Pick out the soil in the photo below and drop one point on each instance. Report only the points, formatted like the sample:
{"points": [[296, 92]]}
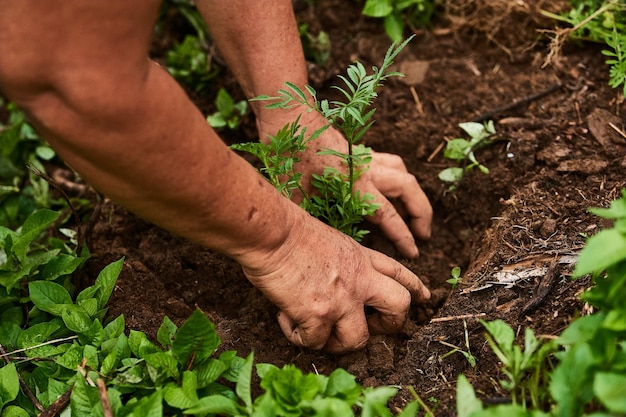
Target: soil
{"points": [[514, 232]]}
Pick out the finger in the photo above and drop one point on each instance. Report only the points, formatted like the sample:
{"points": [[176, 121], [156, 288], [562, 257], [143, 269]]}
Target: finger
{"points": [[400, 274], [389, 160], [350, 333], [391, 302], [396, 183], [387, 218], [310, 335]]}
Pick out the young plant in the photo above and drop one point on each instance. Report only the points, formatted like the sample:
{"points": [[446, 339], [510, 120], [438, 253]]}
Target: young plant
{"points": [[398, 14], [462, 151], [456, 277], [471, 359], [188, 63], [336, 201], [228, 112], [523, 368]]}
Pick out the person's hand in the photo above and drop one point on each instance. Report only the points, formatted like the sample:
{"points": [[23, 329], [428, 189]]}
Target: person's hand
{"points": [[322, 280], [387, 178]]}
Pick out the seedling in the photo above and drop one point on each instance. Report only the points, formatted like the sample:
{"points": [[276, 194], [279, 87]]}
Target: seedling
{"points": [[336, 201], [456, 277], [188, 62], [471, 359], [228, 112], [462, 151]]}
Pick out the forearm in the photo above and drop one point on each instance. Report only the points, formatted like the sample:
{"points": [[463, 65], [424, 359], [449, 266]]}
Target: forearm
{"points": [[259, 40], [156, 155]]}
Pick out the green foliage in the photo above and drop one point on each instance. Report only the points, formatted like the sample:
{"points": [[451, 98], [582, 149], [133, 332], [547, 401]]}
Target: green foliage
{"points": [[188, 63], [590, 355], [228, 112], [21, 190], [59, 342], [602, 21], [462, 151], [336, 201], [398, 14]]}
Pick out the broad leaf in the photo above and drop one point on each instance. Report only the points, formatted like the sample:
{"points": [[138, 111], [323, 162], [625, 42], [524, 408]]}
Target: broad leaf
{"points": [[195, 341]]}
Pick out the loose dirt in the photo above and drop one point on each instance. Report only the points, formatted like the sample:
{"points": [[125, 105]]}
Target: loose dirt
{"points": [[515, 232]]}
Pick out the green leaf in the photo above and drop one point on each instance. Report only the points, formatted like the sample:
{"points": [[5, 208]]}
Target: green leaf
{"points": [[610, 388], [166, 332], [185, 396], [85, 400], [61, 265], [196, 340], [14, 411], [140, 345], [34, 224], [76, 318], [457, 149], [9, 384], [394, 26], [451, 175], [243, 387], [466, 401], [377, 8], [106, 281], [601, 251], [151, 406], [49, 296], [375, 401], [215, 404], [224, 102]]}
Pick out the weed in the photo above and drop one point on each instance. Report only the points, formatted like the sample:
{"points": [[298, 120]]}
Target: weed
{"points": [[462, 151], [228, 112], [336, 202]]}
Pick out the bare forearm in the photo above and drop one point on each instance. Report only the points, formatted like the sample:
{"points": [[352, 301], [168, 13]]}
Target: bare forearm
{"points": [[260, 42], [160, 159]]}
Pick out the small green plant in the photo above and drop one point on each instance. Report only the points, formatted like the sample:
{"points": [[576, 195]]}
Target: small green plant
{"points": [[336, 201], [471, 359], [462, 151], [602, 21], [398, 14], [228, 112], [316, 47], [188, 63], [456, 277]]}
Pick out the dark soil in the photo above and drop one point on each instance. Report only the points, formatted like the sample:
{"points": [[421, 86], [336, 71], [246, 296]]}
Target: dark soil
{"points": [[527, 218]]}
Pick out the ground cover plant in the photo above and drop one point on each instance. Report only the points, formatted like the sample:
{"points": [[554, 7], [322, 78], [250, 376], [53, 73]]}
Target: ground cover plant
{"points": [[514, 232]]}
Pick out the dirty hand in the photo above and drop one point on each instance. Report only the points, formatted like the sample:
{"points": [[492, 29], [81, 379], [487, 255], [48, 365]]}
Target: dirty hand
{"points": [[387, 178], [322, 280]]}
